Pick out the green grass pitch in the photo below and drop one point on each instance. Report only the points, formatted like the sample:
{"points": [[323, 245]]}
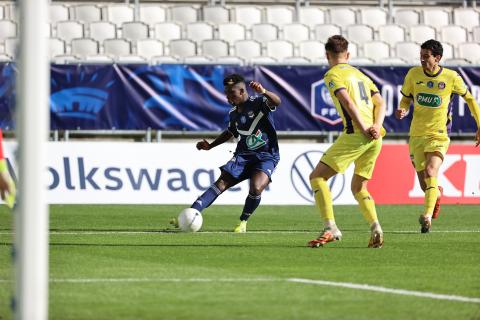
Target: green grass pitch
{"points": [[125, 262]]}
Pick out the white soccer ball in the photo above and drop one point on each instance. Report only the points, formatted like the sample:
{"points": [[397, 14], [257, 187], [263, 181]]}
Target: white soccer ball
{"points": [[190, 220]]}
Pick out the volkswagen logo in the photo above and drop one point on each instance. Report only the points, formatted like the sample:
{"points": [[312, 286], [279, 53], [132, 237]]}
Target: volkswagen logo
{"points": [[299, 175]]}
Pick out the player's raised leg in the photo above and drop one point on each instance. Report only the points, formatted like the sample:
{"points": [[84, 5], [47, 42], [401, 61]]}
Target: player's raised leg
{"points": [[259, 180], [324, 203]]}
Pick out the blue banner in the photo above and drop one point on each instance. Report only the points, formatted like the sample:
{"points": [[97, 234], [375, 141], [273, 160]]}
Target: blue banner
{"points": [[190, 97]]}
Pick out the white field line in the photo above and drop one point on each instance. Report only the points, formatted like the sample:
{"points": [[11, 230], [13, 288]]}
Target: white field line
{"points": [[113, 232], [347, 285]]}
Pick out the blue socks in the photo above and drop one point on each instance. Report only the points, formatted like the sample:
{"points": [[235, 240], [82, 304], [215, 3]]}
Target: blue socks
{"points": [[207, 198], [251, 203]]}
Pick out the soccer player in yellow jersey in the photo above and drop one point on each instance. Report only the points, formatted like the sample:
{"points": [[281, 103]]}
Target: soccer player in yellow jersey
{"points": [[430, 87], [362, 109]]}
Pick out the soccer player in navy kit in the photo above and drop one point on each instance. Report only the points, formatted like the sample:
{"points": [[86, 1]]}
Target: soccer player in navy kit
{"points": [[256, 155]]}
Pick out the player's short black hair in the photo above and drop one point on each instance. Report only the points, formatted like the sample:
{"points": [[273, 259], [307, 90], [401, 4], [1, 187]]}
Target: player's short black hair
{"points": [[434, 46], [336, 44], [232, 79]]}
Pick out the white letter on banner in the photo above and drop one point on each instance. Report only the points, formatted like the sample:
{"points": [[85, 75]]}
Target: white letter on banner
{"points": [[472, 176], [387, 94]]}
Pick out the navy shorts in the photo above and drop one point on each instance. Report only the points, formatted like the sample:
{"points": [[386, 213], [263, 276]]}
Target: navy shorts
{"points": [[242, 167]]}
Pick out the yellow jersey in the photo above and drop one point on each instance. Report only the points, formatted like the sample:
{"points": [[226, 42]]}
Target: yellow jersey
{"points": [[359, 87], [431, 94]]}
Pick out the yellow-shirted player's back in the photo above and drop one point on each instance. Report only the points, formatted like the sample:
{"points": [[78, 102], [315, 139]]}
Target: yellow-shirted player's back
{"points": [[360, 89], [431, 96]]}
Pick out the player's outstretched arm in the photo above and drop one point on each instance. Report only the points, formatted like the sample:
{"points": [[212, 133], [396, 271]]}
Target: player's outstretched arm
{"points": [[402, 110], [379, 115], [273, 99], [349, 105], [223, 137], [475, 110]]}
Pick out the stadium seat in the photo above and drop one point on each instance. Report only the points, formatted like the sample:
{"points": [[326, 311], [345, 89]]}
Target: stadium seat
{"points": [[447, 51], [199, 31], [197, 60], [469, 51], [10, 47], [68, 30], [230, 60], [391, 34], [149, 48], [436, 17], [101, 30], [407, 17], [466, 17], [247, 48], [152, 14], [183, 14], [135, 30], [323, 31], [456, 62], [264, 32], [279, 15], [248, 15], [296, 32], [118, 14], [215, 48], [165, 60], [5, 57], [57, 47], [87, 12], [65, 59], [422, 33], [183, 48], [453, 34], [130, 59], [231, 32], [117, 47], [58, 12], [279, 49], [8, 29], [98, 58], [262, 60], [476, 34], [83, 47], [361, 61], [10, 11], [216, 14], [3, 14], [373, 16], [360, 33], [342, 16], [376, 50], [392, 61], [410, 51], [168, 31], [296, 60], [311, 16], [311, 49]]}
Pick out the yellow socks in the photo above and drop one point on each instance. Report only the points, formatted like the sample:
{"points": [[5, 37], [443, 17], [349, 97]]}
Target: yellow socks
{"points": [[367, 206], [431, 195], [323, 199]]}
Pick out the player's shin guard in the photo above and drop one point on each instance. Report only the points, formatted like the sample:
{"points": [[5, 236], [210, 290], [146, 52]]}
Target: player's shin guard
{"points": [[431, 195], [251, 203], [207, 198], [323, 199], [367, 206]]}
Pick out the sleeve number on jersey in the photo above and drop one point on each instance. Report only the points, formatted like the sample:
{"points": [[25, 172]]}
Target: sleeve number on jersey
{"points": [[363, 92]]}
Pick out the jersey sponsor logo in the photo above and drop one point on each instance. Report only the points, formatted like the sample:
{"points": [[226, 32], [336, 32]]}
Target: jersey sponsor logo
{"points": [[321, 104], [429, 100], [255, 141]]}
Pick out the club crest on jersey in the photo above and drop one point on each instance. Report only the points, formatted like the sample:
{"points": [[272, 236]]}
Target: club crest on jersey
{"points": [[441, 85], [255, 141], [429, 100], [243, 120]]}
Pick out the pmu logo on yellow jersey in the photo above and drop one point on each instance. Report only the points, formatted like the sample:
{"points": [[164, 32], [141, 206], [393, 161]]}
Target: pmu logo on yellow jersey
{"points": [[429, 100]]}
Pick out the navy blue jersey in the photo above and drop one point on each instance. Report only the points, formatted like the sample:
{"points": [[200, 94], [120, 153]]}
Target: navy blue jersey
{"points": [[253, 125]]}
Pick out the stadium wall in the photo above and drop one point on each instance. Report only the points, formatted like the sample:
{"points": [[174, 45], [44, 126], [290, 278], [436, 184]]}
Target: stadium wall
{"points": [[176, 173]]}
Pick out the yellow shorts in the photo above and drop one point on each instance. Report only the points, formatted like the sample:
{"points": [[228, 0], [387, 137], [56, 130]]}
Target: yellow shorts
{"points": [[420, 145], [355, 148]]}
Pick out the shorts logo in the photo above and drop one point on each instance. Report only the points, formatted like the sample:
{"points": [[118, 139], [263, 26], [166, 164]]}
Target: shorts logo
{"points": [[255, 141], [430, 84], [301, 168], [429, 100], [441, 85], [322, 106]]}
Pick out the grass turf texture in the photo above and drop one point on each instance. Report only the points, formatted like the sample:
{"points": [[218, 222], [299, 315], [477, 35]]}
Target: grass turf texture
{"points": [[439, 262]]}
